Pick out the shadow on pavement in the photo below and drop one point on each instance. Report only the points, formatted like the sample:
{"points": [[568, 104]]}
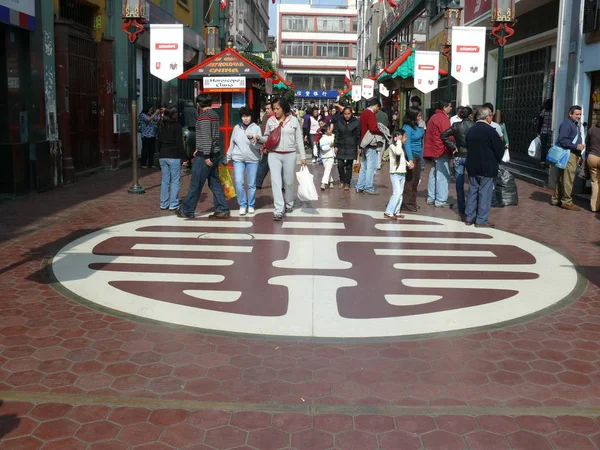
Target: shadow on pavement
{"points": [[8, 422]]}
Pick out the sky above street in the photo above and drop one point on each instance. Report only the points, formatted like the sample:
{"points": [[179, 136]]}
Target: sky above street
{"points": [[273, 9]]}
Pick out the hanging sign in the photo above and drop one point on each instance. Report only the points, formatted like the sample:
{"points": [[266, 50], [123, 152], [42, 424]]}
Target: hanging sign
{"points": [[384, 91], [426, 71], [224, 84], [368, 86], [468, 53], [356, 92], [166, 50]]}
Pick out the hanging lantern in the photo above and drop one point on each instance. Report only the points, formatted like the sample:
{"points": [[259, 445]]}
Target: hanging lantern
{"points": [[503, 11], [452, 14]]}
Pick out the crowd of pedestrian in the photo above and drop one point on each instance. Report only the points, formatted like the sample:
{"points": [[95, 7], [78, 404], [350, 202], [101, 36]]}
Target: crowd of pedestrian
{"points": [[472, 142]]}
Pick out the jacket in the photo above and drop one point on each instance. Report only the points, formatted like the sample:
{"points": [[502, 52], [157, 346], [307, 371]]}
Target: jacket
{"points": [[459, 131], [485, 150], [347, 137], [207, 133], [569, 136], [434, 147], [368, 122], [291, 139], [240, 147], [372, 140], [397, 150], [170, 141]]}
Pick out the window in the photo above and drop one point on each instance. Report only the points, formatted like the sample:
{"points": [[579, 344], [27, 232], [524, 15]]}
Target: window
{"points": [[333, 49], [297, 23], [297, 49], [333, 24]]}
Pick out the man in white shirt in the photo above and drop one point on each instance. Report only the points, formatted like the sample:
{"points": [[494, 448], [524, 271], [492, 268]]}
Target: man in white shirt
{"points": [[456, 118], [494, 125]]}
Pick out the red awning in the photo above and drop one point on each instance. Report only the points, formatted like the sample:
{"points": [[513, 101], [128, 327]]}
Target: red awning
{"points": [[228, 63]]}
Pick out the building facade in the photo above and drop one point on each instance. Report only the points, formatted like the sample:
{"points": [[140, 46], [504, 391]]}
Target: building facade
{"points": [[315, 46], [249, 24]]}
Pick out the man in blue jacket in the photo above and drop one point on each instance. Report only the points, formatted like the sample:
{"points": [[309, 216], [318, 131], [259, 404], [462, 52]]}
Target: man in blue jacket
{"points": [[485, 152], [569, 138]]}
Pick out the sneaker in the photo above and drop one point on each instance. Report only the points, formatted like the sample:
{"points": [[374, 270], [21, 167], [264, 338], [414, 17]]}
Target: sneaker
{"points": [[144, 167], [181, 214], [444, 205], [164, 208], [220, 215], [388, 216], [323, 186], [242, 211], [289, 209], [277, 217], [485, 225], [359, 191], [372, 192], [314, 160], [429, 203], [331, 185], [251, 210]]}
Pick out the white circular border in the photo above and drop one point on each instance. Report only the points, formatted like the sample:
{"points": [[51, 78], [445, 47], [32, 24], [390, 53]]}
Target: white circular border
{"points": [[320, 319]]}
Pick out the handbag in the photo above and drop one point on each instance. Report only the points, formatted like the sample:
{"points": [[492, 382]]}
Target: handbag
{"points": [[306, 187], [535, 148], [227, 181], [274, 138], [356, 167], [560, 156]]}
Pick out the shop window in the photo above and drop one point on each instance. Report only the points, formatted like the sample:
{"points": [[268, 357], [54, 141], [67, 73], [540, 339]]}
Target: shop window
{"points": [[590, 15]]}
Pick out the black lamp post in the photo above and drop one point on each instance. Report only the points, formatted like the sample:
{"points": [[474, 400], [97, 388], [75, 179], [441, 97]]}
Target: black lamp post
{"points": [[135, 15], [452, 14], [503, 18]]}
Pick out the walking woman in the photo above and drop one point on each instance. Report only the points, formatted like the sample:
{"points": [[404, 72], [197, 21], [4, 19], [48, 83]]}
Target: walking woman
{"points": [[282, 156], [310, 130], [459, 130], [414, 152], [170, 154], [245, 154], [398, 166], [592, 149], [148, 123], [347, 138]]}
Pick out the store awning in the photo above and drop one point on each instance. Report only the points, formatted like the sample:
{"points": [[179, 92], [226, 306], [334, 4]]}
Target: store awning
{"points": [[228, 63], [280, 83], [402, 67]]}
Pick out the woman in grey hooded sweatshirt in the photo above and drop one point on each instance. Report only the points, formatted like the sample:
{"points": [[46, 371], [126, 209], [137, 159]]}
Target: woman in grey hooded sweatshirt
{"points": [[245, 154]]}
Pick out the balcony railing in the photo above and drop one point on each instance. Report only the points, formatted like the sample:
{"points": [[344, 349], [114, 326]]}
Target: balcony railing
{"points": [[395, 15]]}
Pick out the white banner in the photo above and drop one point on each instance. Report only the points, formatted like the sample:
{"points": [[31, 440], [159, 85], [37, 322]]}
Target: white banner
{"points": [[427, 69], [356, 92], [166, 50], [468, 53], [383, 90], [368, 86]]}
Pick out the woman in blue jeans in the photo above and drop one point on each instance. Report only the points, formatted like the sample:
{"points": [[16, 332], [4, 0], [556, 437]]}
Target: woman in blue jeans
{"points": [[171, 152], [245, 154]]}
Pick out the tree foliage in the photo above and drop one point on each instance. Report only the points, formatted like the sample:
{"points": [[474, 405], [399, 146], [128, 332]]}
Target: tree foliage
{"points": [[266, 66]]}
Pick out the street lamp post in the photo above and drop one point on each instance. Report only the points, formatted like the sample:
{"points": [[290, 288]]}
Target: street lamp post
{"points": [[135, 15], [452, 13], [503, 18]]}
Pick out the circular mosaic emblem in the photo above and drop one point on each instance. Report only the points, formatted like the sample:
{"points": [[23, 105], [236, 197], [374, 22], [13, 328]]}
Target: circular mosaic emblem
{"points": [[319, 273]]}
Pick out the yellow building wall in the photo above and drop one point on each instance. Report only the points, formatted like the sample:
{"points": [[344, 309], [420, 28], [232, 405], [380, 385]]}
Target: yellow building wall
{"points": [[184, 13], [156, 2]]}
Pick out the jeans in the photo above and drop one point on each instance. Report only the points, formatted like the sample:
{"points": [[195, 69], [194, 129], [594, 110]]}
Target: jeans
{"points": [[479, 202], [367, 170], [345, 170], [282, 166], [459, 173], [439, 180], [250, 168], [148, 146], [171, 179], [200, 174], [263, 170], [393, 206]]}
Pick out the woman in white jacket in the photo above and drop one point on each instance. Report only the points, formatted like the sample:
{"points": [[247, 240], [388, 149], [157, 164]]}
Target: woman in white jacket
{"points": [[245, 154], [398, 165]]}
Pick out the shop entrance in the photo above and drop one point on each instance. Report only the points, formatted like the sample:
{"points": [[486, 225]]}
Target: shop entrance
{"points": [[84, 126]]}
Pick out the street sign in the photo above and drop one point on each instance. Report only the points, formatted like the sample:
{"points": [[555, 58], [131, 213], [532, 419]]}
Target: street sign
{"points": [[468, 53], [368, 86], [224, 84], [356, 92], [427, 71]]}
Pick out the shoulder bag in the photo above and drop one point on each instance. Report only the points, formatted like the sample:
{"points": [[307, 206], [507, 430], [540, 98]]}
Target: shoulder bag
{"points": [[560, 156], [274, 137]]}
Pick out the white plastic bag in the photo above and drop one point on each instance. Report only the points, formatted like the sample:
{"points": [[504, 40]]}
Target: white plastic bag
{"points": [[506, 156], [307, 191], [535, 148]]}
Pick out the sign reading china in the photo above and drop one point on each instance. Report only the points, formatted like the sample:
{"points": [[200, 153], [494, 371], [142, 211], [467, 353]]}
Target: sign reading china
{"points": [[224, 84], [356, 92], [475, 8], [468, 53], [426, 70], [368, 86], [166, 50], [227, 63]]}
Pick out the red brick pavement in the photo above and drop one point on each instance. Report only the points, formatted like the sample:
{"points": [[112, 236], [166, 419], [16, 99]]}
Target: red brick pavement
{"points": [[71, 377]]}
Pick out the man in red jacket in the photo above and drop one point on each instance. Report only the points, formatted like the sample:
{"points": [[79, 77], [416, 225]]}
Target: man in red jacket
{"points": [[434, 148], [368, 156]]}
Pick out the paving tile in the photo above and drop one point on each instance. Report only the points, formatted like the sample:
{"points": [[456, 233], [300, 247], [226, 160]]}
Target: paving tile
{"points": [[312, 439], [291, 422], [250, 420], [56, 429], [399, 440], [437, 440], [97, 431], [269, 439], [333, 423], [525, 440], [225, 437], [182, 435], [65, 444], [374, 423], [483, 440], [139, 433]]}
